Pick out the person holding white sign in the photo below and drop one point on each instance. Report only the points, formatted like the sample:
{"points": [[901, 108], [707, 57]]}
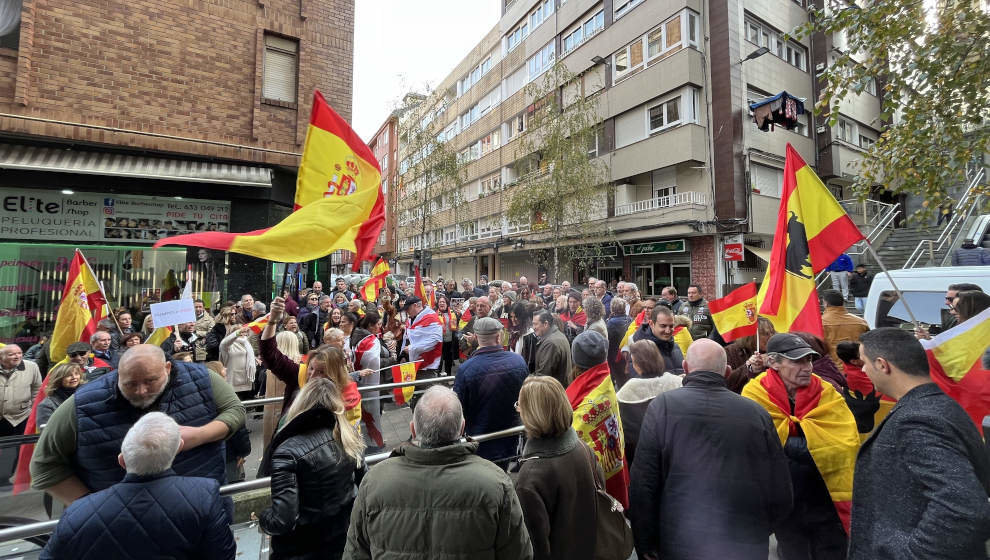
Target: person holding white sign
{"points": [[184, 339]]}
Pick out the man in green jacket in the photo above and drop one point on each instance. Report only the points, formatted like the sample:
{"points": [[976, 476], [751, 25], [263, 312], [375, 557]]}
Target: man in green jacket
{"points": [[436, 498]]}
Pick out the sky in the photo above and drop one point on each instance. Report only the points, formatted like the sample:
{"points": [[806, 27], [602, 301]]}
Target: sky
{"points": [[400, 46]]}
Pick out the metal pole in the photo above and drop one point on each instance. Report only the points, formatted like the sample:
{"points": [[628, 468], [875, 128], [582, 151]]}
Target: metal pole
{"points": [[897, 290]]}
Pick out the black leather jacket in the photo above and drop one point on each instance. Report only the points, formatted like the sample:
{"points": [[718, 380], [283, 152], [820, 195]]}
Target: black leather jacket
{"points": [[313, 487]]}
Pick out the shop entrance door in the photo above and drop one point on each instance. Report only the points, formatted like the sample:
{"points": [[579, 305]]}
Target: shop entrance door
{"points": [[682, 277], [609, 274], [643, 277]]}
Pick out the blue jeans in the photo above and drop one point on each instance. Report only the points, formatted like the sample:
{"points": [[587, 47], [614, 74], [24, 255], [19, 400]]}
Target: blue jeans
{"points": [[861, 304]]}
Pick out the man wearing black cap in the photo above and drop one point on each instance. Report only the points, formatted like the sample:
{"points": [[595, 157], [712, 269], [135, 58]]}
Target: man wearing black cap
{"points": [[423, 339], [820, 439], [81, 354], [487, 385]]}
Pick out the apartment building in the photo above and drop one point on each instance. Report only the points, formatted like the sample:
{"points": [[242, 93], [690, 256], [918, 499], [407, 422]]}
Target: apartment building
{"points": [[672, 81], [125, 122]]}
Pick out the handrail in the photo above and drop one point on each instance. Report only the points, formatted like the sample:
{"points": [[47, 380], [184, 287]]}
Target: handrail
{"points": [[46, 527], [890, 213], [956, 220]]}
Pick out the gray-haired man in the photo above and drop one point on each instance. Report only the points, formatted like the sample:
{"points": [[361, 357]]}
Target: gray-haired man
{"points": [[153, 512], [473, 508]]}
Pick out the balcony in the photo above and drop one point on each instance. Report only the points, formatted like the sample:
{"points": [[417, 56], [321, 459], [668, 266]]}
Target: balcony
{"points": [[689, 198]]}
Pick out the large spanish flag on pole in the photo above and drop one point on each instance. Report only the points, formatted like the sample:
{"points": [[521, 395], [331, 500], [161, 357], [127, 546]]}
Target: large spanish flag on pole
{"points": [[828, 425], [735, 314], [597, 422], [812, 231], [955, 363], [81, 309], [338, 205], [377, 281]]}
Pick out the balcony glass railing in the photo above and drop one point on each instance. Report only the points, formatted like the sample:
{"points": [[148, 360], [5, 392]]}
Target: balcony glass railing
{"points": [[671, 201]]}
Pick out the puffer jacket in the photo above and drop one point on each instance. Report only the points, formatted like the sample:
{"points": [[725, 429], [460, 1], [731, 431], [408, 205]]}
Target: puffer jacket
{"points": [[144, 517], [634, 398], [238, 357], [443, 502], [313, 483]]}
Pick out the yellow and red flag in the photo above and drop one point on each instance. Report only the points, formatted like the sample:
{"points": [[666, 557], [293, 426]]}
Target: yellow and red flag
{"points": [[597, 422], [812, 231], [419, 290], [955, 363], [81, 309], [377, 281], [170, 286], [683, 338], [258, 324], [735, 314], [828, 426], [633, 327], [339, 202], [159, 335], [400, 373]]}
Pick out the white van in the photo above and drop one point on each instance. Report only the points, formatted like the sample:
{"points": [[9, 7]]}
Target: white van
{"points": [[923, 288]]}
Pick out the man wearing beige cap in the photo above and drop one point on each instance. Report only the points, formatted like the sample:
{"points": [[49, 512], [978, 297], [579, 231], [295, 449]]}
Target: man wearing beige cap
{"points": [[488, 386]]}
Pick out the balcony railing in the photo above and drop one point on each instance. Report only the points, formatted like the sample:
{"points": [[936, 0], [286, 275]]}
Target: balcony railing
{"points": [[671, 201]]}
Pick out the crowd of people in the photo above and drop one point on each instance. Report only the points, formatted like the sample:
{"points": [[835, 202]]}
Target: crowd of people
{"points": [[839, 446]]}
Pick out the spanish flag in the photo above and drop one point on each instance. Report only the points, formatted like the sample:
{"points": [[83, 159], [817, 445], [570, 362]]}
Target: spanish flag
{"points": [[683, 338], [419, 290], [377, 281], [259, 324], [812, 231], [955, 363], [159, 335], [338, 205], [633, 327], [81, 309], [828, 426], [735, 314], [400, 373], [597, 422]]}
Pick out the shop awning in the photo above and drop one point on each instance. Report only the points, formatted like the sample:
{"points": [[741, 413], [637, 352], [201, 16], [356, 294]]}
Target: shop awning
{"points": [[42, 158], [761, 253]]}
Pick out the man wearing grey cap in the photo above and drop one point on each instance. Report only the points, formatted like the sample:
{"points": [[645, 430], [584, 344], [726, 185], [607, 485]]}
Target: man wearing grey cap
{"points": [[820, 439], [488, 385]]}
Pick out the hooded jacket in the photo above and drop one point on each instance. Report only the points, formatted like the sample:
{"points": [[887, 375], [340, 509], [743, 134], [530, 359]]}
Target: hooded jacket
{"points": [[634, 398]]}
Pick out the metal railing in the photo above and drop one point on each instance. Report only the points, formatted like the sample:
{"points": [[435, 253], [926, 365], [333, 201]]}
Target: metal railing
{"points": [[45, 527], [968, 202], [669, 201], [884, 216]]}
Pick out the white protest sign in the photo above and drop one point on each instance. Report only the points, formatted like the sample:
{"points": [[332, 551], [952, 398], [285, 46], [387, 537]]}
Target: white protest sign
{"points": [[173, 312]]}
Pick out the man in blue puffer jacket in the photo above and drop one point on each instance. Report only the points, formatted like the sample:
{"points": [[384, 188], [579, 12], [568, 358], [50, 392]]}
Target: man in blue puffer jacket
{"points": [[152, 513], [77, 449]]}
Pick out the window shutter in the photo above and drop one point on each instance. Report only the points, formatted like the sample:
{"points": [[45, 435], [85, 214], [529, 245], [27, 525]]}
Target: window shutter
{"points": [[281, 69]]}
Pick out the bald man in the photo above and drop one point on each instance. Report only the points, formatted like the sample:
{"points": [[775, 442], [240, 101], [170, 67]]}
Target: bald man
{"points": [[709, 479], [77, 451]]}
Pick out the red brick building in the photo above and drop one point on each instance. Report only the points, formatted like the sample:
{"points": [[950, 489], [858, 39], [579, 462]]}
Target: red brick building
{"points": [[180, 116], [385, 145]]}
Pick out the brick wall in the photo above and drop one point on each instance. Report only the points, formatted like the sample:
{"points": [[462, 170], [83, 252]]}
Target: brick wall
{"points": [[703, 265], [180, 68]]}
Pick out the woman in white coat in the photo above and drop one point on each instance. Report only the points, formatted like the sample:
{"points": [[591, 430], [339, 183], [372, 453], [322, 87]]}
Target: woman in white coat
{"points": [[238, 357]]}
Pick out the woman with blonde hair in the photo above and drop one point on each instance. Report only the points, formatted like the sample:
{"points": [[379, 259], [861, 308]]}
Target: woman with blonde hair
{"points": [[63, 380], [557, 474], [226, 322], [315, 464]]}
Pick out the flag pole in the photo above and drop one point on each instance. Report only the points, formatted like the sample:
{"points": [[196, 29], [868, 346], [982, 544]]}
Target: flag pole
{"points": [[285, 278], [897, 290], [757, 351], [106, 300]]}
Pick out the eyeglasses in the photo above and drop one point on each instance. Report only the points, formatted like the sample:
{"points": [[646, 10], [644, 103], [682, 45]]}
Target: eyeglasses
{"points": [[77, 354]]}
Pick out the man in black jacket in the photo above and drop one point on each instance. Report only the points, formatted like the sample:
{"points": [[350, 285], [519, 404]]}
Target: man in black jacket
{"points": [[923, 477], [312, 323], [659, 330], [710, 479]]}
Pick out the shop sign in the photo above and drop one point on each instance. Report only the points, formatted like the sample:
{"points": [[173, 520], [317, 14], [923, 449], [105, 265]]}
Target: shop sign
{"points": [[675, 246], [601, 251], [94, 217], [732, 250]]}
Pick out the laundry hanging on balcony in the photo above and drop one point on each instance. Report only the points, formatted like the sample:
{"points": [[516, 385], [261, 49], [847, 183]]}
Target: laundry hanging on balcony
{"points": [[780, 110]]}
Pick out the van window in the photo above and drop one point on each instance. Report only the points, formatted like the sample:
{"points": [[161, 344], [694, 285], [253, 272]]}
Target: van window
{"points": [[928, 307]]}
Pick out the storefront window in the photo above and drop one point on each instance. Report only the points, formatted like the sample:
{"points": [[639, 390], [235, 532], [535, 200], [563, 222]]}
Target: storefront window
{"points": [[32, 277]]}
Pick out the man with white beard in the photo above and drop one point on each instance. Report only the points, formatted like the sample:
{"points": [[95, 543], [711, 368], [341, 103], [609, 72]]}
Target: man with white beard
{"points": [[77, 451]]}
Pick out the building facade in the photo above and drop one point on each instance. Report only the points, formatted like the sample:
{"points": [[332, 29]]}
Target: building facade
{"points": [[125, 122], [672, 83]]}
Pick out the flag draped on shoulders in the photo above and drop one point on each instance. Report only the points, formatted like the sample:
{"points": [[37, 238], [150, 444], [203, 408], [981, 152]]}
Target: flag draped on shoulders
{"points": [[400, 373], [630, 331], [338, 205], [955, 364], [812, 231], [424, 338], [597, 422], [827, 424], [377, 281], [81, 309], [735, 314]]}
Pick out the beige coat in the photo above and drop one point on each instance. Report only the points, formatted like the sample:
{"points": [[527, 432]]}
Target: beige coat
{"points": [[238, 357], [18, 387]]}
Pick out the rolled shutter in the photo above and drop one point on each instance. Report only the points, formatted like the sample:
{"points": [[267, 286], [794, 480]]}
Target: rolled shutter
{"points": [[281, 69]]}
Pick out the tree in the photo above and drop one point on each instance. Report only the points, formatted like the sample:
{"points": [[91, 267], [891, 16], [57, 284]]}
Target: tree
{"points": [[934, 64], [562, 190], [431, 174]]}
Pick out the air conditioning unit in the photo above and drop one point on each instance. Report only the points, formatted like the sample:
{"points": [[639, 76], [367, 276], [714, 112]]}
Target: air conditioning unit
{"points": [[820, 130], [819, 67]]}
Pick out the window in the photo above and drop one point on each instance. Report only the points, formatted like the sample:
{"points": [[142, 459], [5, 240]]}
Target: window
{"points": [[667, 113], [594, 24], [846, 131], [871, 86], [762, 35], [541, 61], [673, 34], [766, 180], [621, 61], [597, 145], [490, 142], [622, 7], [491, 184], [572, 40], [866, 142], [516, 36], [279, 82], [10, 24], [540, 14], [515, 126], [584, 31]]}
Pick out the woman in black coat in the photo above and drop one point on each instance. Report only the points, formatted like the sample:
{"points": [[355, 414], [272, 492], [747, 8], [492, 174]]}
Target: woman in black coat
{"points": [[556, 480], [315, 462]]}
